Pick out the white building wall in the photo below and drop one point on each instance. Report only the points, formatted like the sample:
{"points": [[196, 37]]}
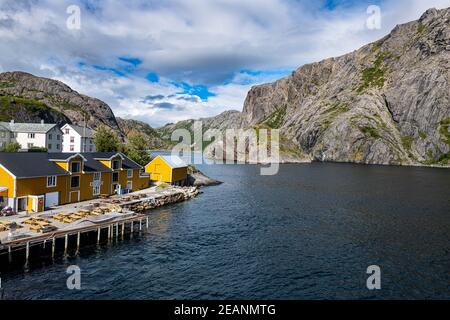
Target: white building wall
{"points": [[71, 140], [26, 141]]}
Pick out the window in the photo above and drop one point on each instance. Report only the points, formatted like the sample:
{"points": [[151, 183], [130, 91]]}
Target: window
{"points": [[90, 148], [58, 137], [74, 182], [97, 176], [72, 139], [50, 136], [130, 173], [30, 145], [75, 167], [67, 131], [116, 164], [72, 148], [31, 136], [130, 185], [51, 181], [96, 190], [115, 177], [49, 146], [57, 146]]}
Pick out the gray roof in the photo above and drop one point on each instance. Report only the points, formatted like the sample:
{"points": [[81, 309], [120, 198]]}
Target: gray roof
{"points": [[30, 164], [39, 164], [28, 127], [84, 132], [174, 161]]}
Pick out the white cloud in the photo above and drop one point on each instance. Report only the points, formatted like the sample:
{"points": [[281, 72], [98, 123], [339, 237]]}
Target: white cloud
{"points": [[200, 41]]}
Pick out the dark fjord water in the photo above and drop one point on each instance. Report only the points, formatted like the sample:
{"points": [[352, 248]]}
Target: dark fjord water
{"points": [[309, 232]]}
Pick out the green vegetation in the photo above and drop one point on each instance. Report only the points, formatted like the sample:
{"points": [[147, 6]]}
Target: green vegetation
{"points": [[370, 131], [107, 140], [11, 105], [407, 142], [444, 130], [422, 135], [276, 119], [137, 148], [11, 147], [332, 113], [374, 76], [421, 28]]}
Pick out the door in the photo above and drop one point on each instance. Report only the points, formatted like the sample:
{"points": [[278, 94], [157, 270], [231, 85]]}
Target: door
{"points": [[51, 199], [74, 196]]}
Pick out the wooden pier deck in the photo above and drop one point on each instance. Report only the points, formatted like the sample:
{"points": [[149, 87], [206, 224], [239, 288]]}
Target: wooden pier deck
{"points": [[128, 215]]}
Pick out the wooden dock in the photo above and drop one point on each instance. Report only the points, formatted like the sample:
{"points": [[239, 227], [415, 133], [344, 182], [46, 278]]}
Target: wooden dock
{"points": [[134, 215]]}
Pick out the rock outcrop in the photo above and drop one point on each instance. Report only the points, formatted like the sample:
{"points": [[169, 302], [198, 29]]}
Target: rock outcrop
{"points": [[386, 103], [54, 98]]}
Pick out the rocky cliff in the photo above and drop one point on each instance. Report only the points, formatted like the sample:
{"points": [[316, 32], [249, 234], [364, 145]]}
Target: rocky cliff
{"points": [[386, 103], [27, 98]]}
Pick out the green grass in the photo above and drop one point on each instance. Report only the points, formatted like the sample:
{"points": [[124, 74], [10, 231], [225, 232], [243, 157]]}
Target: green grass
{"points": [[444, 130], [371, 132], [331, 114], [422, 135], [421, 28], [407, 142], [11, 105], [374, 76], [276, 119]]}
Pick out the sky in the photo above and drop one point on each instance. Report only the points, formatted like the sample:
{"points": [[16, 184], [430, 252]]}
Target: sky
{"points": [[166, 61]]}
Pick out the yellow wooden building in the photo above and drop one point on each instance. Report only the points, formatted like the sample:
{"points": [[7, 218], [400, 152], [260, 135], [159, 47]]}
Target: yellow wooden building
{"points": [[168, 169], [34, 181]]}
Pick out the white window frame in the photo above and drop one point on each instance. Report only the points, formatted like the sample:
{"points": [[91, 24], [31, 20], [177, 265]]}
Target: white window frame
{"points": [[131, 183], [118, 167], [128, 173], [79, 182], [99, 175], [54, 181], [31, 136], [96, 190], [79, 163]]}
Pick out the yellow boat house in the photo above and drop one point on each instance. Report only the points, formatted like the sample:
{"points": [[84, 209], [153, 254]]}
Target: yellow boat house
{"points": [[168, 169], [35, 181]]}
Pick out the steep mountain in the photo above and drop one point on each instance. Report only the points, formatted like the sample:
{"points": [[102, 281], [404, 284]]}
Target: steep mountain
{"points": [[25, 97], [386, 103]]}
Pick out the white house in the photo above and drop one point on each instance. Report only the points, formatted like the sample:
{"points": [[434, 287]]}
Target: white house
{"points": [[34, 135], [78, 139], [5, 136]]}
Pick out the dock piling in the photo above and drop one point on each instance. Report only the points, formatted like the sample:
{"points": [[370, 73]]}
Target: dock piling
{"points": [[27, 252], [78, 241], [98, 235], [66, 243], [53, 247]]}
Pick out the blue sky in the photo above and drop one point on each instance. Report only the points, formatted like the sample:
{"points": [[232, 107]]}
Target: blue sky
{"points": [[165, 61]]}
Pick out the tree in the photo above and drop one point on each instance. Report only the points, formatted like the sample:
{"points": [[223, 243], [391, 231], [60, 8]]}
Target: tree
{"points": [[137, 148], [11, 147], [106, 140]]}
